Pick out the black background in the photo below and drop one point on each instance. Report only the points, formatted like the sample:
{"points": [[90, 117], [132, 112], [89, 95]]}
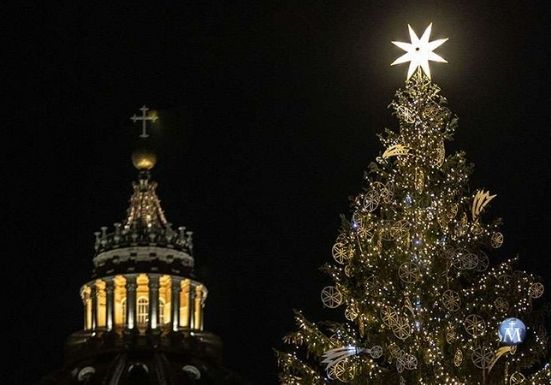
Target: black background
{"points": [[269, 114]]}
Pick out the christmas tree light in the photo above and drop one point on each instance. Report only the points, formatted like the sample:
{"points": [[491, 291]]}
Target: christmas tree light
{"points": [[414, 268]]}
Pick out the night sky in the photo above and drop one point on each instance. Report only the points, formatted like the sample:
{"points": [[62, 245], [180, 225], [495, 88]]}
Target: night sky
{"points": [[269, 115]]}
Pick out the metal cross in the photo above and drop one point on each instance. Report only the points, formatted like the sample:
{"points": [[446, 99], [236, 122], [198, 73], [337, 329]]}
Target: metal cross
{"points": [[144, 118]]}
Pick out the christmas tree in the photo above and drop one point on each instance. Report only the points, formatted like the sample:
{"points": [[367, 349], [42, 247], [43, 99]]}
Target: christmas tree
{"points": [[415, 268]]}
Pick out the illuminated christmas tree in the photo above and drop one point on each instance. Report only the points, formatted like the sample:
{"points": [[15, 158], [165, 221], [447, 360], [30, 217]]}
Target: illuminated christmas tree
{"points": [[415, 269]]}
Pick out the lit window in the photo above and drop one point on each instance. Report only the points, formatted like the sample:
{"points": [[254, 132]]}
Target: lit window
{"points": [[143, 310]]}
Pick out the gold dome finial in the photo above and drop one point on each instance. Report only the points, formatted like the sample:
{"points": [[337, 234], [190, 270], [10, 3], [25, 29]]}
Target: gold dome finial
{"points": [[144, 159]]}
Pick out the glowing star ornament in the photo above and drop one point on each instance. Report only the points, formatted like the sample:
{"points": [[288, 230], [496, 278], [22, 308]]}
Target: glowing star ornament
{"points": [[419, 51]]}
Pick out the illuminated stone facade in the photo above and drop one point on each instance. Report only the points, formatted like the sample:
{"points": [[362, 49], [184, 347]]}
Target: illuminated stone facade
{"points": [[143, 308]]}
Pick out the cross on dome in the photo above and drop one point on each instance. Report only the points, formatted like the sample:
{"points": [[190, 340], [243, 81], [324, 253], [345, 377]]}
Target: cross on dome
{"points": [[144, 118]]}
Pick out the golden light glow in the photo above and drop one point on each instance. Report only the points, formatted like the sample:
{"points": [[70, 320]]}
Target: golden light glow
{"points": [[184, 303], [419, 51], [144, 159], [186, 309]]}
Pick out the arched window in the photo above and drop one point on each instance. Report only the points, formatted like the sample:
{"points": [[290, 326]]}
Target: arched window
{"points": [[142, 315], [161, 311]]}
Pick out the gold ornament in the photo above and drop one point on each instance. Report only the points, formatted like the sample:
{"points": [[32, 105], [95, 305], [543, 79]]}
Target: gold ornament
{"points": [[483, 262], [474, 325], [349, 373], [394, 350], [370, 283], [453, 211], [389, 316], [335, 340], [402, 329], [496, 240], [408, 306], [409, 272], [348, 271], [501, 304], [385, 191], [399, 229], [440, 154], [365, 232], [371, 200], [482, 357], [464, 260], [446, 215], [481, 199], [400, 360], [442, 219], [341, 252], [430, 111], [405, 114], [448, 253], [357, 218], [476, 228], [451, 300], [469, 261], [341, 371], [462, 227], [395, 150], [331, 297], [375, 352], [536, 290], [399, 365], [458, 358], [451, 334], [517, 378], [364, 227], [409, 361], [351, 312]]}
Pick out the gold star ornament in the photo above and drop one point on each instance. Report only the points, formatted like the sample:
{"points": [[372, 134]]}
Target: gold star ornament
{"points": [[419, 51]]}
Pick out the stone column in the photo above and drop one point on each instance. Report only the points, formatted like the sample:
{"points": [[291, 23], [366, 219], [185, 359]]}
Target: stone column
{"points": [[191, 305], [199, 308], [131, 301], [85, 299], [109, 303], [153, 285], [94, 305], [175, 287]]}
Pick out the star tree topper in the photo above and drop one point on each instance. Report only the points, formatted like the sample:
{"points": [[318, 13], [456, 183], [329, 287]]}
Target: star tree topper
{"points": [[419, 51]]}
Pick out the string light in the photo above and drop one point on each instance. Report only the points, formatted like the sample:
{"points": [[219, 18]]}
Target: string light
{"points": [[417, 232]]}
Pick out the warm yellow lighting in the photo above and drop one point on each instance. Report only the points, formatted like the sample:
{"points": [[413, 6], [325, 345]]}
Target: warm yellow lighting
{"points": [[144, 159], [419, 51]]}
